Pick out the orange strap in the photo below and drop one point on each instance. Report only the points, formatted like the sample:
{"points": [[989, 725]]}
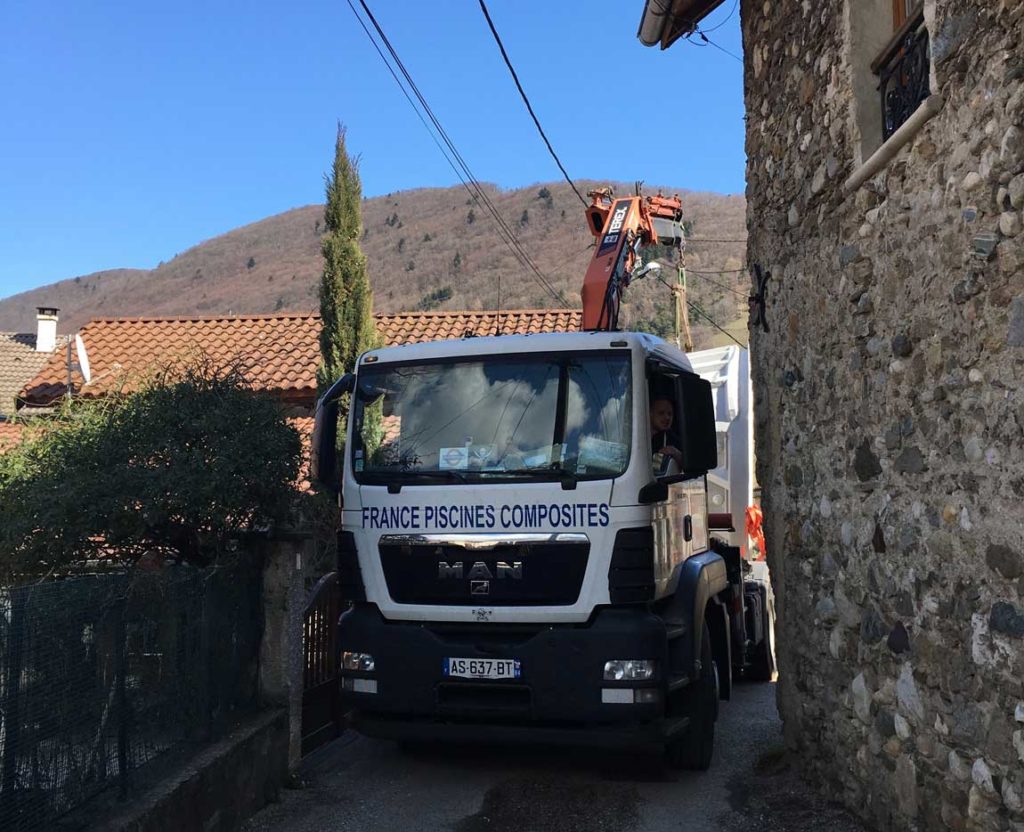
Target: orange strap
{"points": [[755, 521]]}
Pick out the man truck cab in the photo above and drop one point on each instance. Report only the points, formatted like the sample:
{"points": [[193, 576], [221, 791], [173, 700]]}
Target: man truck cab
{"points": [[517, 567]]}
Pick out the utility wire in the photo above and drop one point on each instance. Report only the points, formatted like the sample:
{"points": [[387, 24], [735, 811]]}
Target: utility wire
{"points": [[477, 192], [710, 42], [473, 186], [703, 276], [727, 18], [711, 321], [714, 240], [716, 283], [697, 310], [432, 134], [526, 101]]}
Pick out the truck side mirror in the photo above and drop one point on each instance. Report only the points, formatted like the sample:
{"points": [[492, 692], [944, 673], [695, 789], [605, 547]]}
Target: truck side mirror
{"points": [[323, 452], [696, 424], [653, 492]]}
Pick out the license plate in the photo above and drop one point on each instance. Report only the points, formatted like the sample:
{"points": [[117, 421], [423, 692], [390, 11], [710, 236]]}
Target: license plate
{"points": [[482, 668]]}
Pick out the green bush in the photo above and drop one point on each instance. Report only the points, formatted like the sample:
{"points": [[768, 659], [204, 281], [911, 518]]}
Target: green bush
{"points": [[434, 299], [178, 469]]}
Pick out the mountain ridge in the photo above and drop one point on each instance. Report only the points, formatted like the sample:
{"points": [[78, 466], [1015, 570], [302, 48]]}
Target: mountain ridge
{"points": [[426, 248]]}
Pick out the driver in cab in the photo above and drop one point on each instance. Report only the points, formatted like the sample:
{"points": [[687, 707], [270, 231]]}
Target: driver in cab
{"points": [[663, 440]]}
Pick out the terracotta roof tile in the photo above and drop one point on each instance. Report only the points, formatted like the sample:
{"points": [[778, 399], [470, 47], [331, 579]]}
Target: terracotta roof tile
{"points": [[280, 353], [10, 434], [19, 362]]}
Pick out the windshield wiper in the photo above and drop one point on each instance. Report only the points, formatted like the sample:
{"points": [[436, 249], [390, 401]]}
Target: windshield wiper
{"points": [[409, 477], [566, 476]]}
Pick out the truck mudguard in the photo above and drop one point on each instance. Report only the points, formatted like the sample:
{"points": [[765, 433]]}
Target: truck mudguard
{"points": [[701, 578]]}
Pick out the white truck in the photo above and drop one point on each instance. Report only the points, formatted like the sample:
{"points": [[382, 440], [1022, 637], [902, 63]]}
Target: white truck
{"points": [[521, 564]]}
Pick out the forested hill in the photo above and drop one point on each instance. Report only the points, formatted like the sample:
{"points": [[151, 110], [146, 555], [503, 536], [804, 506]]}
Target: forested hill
{"points": [[430, 248]]}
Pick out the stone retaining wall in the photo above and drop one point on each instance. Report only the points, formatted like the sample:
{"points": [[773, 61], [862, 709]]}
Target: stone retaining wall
{"points": [[890, 409]]}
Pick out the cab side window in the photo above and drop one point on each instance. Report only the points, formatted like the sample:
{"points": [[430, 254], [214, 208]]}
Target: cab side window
{"points": [[663, 409]]}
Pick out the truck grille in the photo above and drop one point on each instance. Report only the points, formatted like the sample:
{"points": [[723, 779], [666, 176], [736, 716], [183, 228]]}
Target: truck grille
{"points": [[470, 570]]}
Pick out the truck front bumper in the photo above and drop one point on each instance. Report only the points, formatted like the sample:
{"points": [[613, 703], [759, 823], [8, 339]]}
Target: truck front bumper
{"points": [[560, 690]]}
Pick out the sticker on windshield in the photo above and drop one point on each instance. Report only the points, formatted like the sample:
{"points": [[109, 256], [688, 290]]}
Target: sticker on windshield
{"points": [[483, 456], [456, 458]]}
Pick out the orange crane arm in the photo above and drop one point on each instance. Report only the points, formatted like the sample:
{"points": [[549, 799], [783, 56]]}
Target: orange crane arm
{"points": [[622, 226]]}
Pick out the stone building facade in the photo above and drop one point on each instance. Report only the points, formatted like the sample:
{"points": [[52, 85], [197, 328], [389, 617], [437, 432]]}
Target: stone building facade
{"points": [[889, 397]]}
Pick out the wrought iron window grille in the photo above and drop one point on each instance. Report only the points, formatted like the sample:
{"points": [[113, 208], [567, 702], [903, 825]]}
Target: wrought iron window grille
{"points": [[903, 70]]}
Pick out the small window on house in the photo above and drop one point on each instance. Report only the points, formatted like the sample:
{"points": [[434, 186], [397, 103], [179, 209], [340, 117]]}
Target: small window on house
{"points": [[890, 65]]}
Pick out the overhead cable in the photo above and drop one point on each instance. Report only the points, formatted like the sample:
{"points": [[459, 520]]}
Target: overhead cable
{"points": [[702, 276], [726, 19], [476, 190], [697, 310], [459, 165], [526, 101], [710, 42], [710, 320]]}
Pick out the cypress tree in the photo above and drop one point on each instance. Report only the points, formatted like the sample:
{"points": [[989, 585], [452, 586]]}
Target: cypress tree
{"points": [[346, 302]]}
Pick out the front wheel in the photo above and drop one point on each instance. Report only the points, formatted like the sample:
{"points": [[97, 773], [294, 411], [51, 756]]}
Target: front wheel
{"points": [[695, 747]]}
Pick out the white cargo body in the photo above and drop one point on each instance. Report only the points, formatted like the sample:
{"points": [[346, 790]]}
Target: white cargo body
{"points": [[731, 484]]}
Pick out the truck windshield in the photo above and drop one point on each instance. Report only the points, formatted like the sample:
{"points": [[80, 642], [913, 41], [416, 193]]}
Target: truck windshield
{"points": [[496, 418]]}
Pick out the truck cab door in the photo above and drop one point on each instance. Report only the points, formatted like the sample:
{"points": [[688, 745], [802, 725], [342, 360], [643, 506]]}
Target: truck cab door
{"points": [[677, 493]]}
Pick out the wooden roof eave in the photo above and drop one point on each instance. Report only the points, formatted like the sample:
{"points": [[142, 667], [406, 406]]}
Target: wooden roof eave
{"points": [[684, 18]]}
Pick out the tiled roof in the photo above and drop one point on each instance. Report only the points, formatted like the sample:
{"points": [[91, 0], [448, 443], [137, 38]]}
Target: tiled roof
{"points": [[19, 362], [415, 327], [279, 353], [10, 434]]}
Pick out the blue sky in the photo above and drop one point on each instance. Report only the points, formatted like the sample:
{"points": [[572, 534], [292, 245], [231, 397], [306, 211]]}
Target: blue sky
{"points": [[131, 131]]}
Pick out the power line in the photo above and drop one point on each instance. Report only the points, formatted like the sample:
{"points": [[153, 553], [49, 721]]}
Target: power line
{"points": [[703, 276], [710, 42], [714, 240], [728, 17], [711, 321], [697, 310], [479, 195], [473, 186], [423, 121], [716, 283], [526, 101]]}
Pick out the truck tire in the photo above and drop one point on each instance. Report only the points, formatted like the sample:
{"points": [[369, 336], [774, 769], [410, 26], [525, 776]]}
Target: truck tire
{"points": [[762, 662], [694, 748]]}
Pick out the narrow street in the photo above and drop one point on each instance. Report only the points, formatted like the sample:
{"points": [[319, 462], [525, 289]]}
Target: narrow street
{"points": [[361, 784]]}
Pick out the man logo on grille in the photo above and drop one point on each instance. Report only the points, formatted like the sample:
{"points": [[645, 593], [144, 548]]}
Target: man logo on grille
{"points": [[480, 574], [449, 570]]}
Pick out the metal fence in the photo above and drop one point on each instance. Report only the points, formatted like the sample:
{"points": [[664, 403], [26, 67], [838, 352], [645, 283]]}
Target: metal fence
{"points": [[102, 674]]}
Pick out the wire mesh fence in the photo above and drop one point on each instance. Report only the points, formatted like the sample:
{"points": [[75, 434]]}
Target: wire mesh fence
{"points": [[102, 674]]}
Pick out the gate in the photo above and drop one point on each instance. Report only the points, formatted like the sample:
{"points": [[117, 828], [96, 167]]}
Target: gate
{"points": [[321, 714]]}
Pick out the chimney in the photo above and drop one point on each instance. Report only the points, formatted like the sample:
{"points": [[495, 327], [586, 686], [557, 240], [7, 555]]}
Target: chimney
{"points": [[46, 328]]}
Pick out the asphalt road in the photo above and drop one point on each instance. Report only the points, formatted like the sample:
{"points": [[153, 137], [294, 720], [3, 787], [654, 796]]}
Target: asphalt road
{"points": [[361, 784]]}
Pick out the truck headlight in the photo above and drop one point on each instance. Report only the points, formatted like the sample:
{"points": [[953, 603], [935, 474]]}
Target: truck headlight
{"points": [[357, 661], [629, 670]]}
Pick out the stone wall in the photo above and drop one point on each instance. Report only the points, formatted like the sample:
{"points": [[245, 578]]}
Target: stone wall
{"points": [[889, 397]]}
